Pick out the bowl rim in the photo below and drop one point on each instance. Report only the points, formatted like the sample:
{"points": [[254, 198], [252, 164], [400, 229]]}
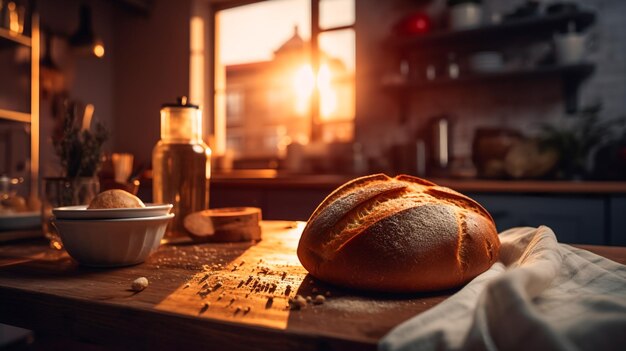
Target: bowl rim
{"points": [[116, 220], [81, 212]]}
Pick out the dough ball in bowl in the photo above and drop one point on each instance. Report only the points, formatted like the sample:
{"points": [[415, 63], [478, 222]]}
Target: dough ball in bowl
{"points": [[115, 198]]}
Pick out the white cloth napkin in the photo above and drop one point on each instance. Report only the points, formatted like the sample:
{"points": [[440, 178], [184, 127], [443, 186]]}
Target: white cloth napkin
{"points": [[541, 295]]}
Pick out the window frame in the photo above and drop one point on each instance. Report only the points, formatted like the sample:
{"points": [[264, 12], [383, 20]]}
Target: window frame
{"points": [[316, 121]]}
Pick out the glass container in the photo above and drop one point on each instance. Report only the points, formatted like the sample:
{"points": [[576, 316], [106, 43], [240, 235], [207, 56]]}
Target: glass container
{"points": [[181, 164], [59, 192]]}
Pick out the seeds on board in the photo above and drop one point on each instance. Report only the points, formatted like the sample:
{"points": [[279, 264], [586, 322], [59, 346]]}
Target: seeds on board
{"points": [[139, 284]]}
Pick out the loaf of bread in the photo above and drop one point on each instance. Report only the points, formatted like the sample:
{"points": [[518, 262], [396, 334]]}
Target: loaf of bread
{"points": [[115, 198], [402, 234]]}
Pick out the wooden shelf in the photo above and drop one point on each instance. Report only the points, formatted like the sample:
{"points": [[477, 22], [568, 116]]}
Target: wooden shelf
{"points": [[15, 116], [577, 72], [538, 26], [9, 38]]}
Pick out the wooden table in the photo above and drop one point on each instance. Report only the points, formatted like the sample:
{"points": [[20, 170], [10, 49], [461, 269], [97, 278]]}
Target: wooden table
{"points": [[47, 291]]}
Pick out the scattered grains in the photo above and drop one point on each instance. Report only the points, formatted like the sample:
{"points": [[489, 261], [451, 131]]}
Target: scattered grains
{"points": [[297, 303], [309, 299], [319, 299], [327, 294], [270, 302], [139, 284]]}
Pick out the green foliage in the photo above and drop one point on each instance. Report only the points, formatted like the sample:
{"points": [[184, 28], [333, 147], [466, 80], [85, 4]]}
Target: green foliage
{"points": [[577, 140], [80, 151]]}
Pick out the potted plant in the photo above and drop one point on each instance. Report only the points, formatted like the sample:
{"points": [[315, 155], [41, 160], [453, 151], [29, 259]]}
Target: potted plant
{"points": [[79, 148], [576, 141]]}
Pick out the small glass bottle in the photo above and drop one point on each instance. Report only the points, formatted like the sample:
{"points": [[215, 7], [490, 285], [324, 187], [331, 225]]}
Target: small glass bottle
{"points": [[181, 164], [453, 66]]}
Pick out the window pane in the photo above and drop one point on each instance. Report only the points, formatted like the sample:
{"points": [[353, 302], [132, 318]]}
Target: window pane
{"points": [[336, 13], [260, 50], [265, 83], [339, 44], [336, 81], [253, 32]]}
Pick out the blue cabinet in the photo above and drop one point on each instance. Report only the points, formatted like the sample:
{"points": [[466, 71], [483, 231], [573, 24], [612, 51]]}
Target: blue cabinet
{"points": [[598, 219], [574, 219], [617, 218]]}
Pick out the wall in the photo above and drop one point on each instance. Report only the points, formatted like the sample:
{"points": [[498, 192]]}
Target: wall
{"points": [[86, 79], [146, 64], [510, 104], [151, 67]]}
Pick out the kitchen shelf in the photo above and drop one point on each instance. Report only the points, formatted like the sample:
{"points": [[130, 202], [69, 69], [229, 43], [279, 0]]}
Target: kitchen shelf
{"points": [[15, 116], [538, 26], [11, 40], [8, 39], [575, 72], [516, 33]]}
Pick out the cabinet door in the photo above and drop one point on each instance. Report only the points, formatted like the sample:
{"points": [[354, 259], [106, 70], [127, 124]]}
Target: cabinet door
{"points": [[573, 219], [618, 221], [230, 197], [293, 204]]}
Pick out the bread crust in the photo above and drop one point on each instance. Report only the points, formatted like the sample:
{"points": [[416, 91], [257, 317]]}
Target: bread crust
{"points": [[401, 234]]}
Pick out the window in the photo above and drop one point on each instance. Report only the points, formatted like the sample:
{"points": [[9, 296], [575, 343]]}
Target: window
{"points": [[234, 107], [279, 79]]}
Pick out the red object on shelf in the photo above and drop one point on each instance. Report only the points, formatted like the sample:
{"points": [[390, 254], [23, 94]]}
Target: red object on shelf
{"points": [[417, 23]]}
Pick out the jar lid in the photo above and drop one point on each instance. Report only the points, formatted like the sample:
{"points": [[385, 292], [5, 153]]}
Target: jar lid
{"points": [[181, 101]]}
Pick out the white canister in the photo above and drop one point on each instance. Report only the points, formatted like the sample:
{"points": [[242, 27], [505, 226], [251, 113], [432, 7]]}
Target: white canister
{"points": [[465, 16], [570, 48]]}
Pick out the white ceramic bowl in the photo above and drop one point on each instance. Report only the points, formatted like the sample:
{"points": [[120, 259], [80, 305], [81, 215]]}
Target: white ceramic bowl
{"points": [[112, 242], [81, 212]]}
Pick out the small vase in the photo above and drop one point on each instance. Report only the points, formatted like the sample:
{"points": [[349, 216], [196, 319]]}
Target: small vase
{"points": [[58, 192]]}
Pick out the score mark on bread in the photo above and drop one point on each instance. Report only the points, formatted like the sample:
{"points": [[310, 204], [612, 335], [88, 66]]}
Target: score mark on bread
{"points": [[399, 234], [115, 198]]}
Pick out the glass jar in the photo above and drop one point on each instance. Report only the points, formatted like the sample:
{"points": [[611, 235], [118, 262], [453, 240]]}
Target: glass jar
{"points": [[181, 164], [59, 192]]}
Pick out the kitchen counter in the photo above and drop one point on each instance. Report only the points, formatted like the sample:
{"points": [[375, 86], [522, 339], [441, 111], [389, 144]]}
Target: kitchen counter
{"points": [[273, 179], [581, 212], [46, 291]]}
